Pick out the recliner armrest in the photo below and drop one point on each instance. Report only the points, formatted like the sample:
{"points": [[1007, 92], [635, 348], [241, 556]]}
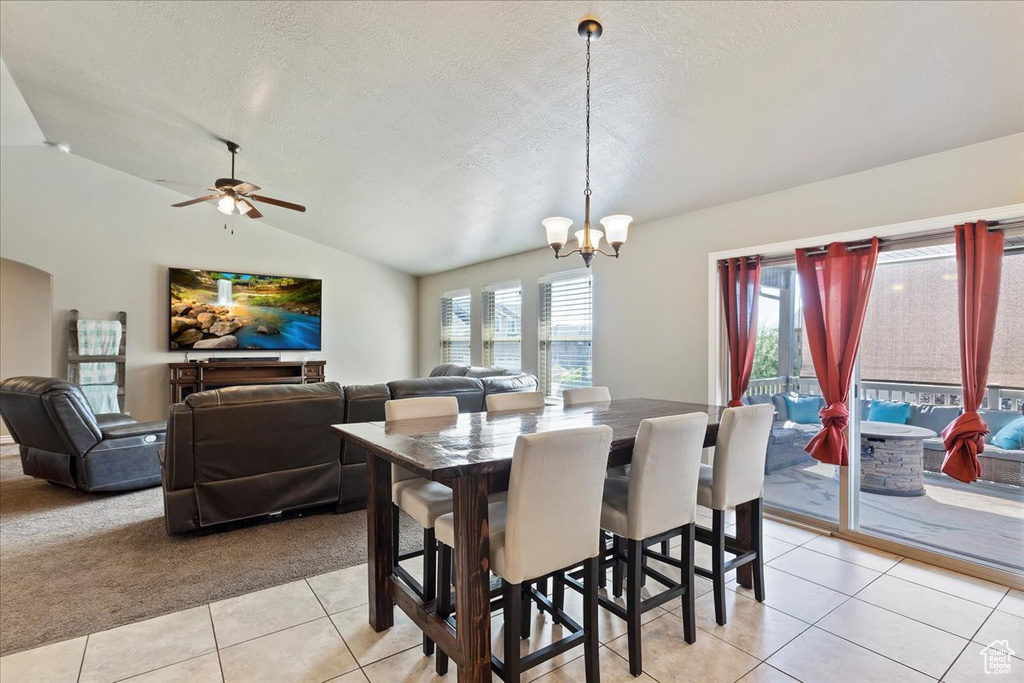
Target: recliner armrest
{"points": [[129, 429], [105, 420]]}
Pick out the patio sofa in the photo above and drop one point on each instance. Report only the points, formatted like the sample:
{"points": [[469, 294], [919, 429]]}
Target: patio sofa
{"points": [[786, 445]]}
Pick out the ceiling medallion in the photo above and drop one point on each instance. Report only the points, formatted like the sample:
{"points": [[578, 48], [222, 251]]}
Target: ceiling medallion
{"points": [[616, 227]]}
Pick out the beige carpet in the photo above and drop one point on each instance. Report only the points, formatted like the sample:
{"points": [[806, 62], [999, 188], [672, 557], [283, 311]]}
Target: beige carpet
{"points": [[73, 563]]}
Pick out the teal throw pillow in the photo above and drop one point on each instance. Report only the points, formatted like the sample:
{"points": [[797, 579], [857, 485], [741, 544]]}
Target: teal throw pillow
{"points": [[1010, 437], [804, 409], [896, 412]]}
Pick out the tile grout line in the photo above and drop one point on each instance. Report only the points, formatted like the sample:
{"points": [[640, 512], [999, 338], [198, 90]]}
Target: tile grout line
{"points": [[336, 630], [81, 664], [1007, 588], [216, 643]]}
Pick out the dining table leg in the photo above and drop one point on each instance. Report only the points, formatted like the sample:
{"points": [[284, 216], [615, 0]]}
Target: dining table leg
{"points": [[472, 579], [380, 548], [744, 516]]}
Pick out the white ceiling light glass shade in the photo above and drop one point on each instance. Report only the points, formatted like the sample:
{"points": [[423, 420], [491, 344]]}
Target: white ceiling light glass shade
{"points": [[557, 229], [243, 206], [226, 205], [616, 228], [595, 238]]}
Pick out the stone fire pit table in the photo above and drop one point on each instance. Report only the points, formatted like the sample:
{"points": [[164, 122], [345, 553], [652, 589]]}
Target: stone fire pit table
{"points": [[892, 458]]}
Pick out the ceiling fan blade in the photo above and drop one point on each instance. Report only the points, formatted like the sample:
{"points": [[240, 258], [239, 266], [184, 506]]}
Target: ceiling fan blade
{"points": [[246, 188], [278, 202], [253, 213], [178, 182], [197, 200]]}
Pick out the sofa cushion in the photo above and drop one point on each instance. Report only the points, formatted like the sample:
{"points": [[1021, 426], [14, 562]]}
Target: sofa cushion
{"points": [[781, 409], [1010, 437], [481, 372], [804, 409], [508, 383], [469, 391], [895, 412], [449, 370], [935, 418], [996, 420]]}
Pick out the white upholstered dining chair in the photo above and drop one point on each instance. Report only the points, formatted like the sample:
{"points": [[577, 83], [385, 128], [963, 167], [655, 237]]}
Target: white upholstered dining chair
{"points": [[574, 397], [515, 400], [656, 502], [548, 524], [736, 477], [420, 498]]}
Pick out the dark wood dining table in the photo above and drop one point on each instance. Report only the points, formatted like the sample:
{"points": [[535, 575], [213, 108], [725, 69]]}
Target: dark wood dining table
{"points": [[472, 453]]}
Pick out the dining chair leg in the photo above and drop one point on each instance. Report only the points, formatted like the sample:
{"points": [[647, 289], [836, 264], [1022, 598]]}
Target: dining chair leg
{"points": [[617, 566], [718, 563], [591, 644], [558, 595], [757, 539], [524, 615], [634, 569], [513, 594], [643, 564], [602, 579], [395, 526], [429, 578], [444, 599], [686, 554]]}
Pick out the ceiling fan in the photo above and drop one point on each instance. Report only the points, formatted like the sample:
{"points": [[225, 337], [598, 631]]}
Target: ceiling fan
{"points": [[234, 195]]}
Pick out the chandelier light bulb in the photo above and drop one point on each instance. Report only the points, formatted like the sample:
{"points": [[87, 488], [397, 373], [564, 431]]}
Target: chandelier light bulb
{"points": [[557, 229], [616, 228]]}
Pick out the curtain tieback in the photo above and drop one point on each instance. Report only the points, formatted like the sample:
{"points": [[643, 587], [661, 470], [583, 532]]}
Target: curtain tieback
{"points": [[835, 415], [968, 426], [735, 403]]}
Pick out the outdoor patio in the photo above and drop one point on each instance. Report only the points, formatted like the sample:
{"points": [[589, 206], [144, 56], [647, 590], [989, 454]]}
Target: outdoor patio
{"points": [[981, 521]]}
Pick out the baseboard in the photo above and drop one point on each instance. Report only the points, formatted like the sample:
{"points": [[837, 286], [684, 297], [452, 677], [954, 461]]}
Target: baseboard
{"points": [[6, 439]]}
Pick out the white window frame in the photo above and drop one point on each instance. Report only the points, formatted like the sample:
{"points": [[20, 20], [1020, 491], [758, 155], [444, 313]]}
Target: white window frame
{"points": [[544, 337], [448, 338], [491, 293]]}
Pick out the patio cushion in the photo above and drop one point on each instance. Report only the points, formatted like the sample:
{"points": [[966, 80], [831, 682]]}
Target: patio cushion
{"points": [[996, 420], [781, 409], [1010, 437], [935, 418], [804, 409], [895, 412]]}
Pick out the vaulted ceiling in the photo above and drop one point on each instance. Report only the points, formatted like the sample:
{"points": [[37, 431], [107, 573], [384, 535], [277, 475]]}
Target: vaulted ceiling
{"points": [[431, 135]]}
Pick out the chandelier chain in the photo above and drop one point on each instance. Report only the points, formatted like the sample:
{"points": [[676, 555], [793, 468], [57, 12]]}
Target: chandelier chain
{"points": [[587, 191]]}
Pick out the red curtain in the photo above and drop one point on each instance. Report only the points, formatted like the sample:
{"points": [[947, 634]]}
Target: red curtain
{"points": [[979, 260], [834, 288], [741, 285]]}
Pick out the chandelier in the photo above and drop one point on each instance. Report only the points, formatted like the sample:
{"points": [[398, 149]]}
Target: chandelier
{"points": [[615, 227]]}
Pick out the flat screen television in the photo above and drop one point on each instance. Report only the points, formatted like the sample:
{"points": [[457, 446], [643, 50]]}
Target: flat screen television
{"points": [[218, 311]]}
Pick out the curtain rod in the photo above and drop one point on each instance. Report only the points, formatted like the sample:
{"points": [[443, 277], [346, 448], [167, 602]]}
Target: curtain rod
{"points": [[888, 243]]}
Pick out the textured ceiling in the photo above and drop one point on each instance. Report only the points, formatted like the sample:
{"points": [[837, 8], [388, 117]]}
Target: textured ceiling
{"points": [[433, 135]]}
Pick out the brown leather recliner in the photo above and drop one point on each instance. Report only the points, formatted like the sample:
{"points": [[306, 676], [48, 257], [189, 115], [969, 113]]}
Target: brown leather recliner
{"points": [[63, 441], [244, 452]]}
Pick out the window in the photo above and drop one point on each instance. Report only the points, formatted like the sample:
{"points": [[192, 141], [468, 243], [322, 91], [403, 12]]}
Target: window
{"points": [[566, 332], [455, 326], [503, 320]]}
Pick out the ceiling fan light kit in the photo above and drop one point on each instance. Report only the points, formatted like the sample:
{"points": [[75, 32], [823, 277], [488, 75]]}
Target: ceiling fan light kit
{"points": [[616, 227], [235, 195]]}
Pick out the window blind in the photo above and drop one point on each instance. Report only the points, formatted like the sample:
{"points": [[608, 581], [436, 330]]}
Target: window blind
{"points": [[566, 333], [455, 327], [503, 322]]}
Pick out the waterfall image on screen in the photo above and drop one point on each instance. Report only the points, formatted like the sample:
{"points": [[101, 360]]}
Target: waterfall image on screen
{"points": [[217, 311]]}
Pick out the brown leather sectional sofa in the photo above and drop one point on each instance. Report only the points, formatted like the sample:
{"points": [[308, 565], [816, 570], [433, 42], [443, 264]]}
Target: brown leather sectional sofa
{"points": [[245, 452]]}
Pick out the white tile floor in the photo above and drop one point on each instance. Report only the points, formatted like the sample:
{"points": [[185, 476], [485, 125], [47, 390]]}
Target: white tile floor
{"points": [[835, 611]]}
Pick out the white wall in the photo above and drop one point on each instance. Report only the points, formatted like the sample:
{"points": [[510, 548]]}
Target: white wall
{"points": [[26, 311], [651, 305], [108, 239]]}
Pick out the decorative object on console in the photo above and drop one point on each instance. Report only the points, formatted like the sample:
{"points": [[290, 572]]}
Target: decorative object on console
{"points": [[232, 194], [616, 227], [212, 311], [96, 360]]}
